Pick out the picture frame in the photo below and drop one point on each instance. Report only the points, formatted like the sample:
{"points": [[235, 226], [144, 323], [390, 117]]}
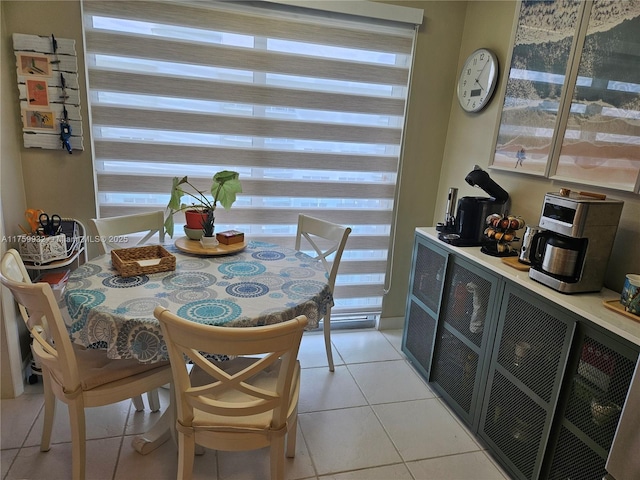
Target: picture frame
{"points": [[33, 64], [42, 120], [570, 102], [538, 77], [37, 92]]}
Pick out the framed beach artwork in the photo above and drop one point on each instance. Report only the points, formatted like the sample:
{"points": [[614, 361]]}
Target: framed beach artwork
{"points": [[571, 107], [542, 48], [601, 138]]}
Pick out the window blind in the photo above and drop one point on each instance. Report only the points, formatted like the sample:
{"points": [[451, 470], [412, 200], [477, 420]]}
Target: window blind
{"points": [[308, 107]]}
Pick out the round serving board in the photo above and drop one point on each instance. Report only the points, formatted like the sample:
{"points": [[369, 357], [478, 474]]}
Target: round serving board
{"points": [[193, 246]]}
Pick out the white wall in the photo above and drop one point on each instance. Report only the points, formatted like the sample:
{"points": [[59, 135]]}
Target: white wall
{"points": [[434, 75], [12, 206]]}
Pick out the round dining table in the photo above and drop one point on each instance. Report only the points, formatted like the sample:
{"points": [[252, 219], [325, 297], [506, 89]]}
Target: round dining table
{"points": [[260, 284]]}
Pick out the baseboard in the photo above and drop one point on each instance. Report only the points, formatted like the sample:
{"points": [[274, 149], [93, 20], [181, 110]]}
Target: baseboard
{"points": [[390, 323]]}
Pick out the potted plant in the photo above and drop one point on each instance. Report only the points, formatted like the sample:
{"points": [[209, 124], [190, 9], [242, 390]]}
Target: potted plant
{"points": [[224, 187], [208, 238]]}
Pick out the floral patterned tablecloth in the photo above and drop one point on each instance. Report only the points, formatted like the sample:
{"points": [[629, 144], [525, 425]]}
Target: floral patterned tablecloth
{"points": [[261, 285]]}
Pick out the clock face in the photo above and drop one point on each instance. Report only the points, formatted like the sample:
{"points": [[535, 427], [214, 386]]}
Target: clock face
{"points": [[477, 80]]}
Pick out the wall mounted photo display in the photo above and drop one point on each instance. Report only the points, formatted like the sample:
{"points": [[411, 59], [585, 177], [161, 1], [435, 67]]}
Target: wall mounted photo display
{"points": [[47, 76], [32, 64]]}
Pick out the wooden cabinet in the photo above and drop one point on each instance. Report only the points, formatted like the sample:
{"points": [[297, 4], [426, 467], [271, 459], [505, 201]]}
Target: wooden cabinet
{"points": [[539, 384]]}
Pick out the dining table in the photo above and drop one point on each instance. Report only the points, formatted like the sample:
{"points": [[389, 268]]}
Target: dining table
{"points": [[259, 284]]}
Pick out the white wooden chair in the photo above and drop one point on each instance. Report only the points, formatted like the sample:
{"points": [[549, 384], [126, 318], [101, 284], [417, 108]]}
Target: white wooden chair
{"points": [[243, 404], [13, 267], [109, 229], [79, 377], [327, 240]]}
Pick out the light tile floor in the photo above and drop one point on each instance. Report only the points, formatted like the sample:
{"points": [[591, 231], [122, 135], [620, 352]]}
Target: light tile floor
{"points": [[374, 418]]}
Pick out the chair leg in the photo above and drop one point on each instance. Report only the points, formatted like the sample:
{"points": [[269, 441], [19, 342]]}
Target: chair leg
{"points": [[78, 438], [277, 458], [49, 412], [138, 403], [186, 452], [327, 339], [292, 435], [153, 399]]}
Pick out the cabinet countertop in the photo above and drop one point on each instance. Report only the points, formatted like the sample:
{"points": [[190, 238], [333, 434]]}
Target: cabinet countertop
{"points": [[586, 305]]}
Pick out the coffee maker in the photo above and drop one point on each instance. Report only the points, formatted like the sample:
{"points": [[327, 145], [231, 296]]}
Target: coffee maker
{"points": [[466, 228], [572, 253]]}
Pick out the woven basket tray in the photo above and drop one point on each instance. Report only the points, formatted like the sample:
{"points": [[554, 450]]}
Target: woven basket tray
{"points": [[142, 260]]}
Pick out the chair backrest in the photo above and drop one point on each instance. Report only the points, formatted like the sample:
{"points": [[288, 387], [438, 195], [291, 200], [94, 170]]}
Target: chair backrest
{"points": [[43, 319], [12, 267], [326, 239], [276, 344], [109, 229]]}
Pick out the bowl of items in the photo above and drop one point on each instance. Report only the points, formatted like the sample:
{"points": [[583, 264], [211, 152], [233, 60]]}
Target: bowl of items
{"points": [[500, 232], [603, 412]]}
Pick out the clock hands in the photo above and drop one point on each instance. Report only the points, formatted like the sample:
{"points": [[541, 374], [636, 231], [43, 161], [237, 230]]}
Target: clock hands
{"points": [[480, 73]]}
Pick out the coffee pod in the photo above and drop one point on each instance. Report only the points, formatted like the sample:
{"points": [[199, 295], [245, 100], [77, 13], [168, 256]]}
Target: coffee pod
{"points": [[516, 223]]}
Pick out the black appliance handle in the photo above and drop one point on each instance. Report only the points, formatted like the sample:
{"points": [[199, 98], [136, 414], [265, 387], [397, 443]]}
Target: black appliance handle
{"points": [[479, 178], [537, 248]]}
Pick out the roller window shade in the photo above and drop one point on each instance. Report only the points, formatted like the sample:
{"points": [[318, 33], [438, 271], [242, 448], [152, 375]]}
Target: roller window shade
{"points": [[309, 108]]}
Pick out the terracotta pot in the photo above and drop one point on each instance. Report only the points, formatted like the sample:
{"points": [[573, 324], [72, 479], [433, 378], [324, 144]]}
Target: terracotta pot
{"points": [[195, 218]]}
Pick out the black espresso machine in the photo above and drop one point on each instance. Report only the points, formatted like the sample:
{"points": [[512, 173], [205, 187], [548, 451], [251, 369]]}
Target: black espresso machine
{"points": [[466, 228]]}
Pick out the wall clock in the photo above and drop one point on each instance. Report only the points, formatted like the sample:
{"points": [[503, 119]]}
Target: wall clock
{"points": [[478, 80]]}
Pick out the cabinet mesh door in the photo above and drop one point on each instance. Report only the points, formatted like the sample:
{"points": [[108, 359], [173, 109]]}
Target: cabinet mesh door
{"points": [[467, 301], [514, 423], [574, 459], [531, 355], [428, 276], [531, 346], [420, 333], [597, 393], [455, 368]]}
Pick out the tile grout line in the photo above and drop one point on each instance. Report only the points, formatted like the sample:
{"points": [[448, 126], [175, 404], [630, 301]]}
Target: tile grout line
{"points": [[122, 436], [24, 440], [379, 420]]}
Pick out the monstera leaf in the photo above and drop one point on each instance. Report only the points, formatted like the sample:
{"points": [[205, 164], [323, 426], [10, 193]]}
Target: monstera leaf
{"points": [[224, 187]]}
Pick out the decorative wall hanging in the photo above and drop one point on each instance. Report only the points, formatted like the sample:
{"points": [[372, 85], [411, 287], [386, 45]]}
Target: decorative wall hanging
{"points": [[571, 107], [47, 70]]}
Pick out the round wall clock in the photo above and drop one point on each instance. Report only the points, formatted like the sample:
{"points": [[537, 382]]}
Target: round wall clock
{"points": [[478, 80]]}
